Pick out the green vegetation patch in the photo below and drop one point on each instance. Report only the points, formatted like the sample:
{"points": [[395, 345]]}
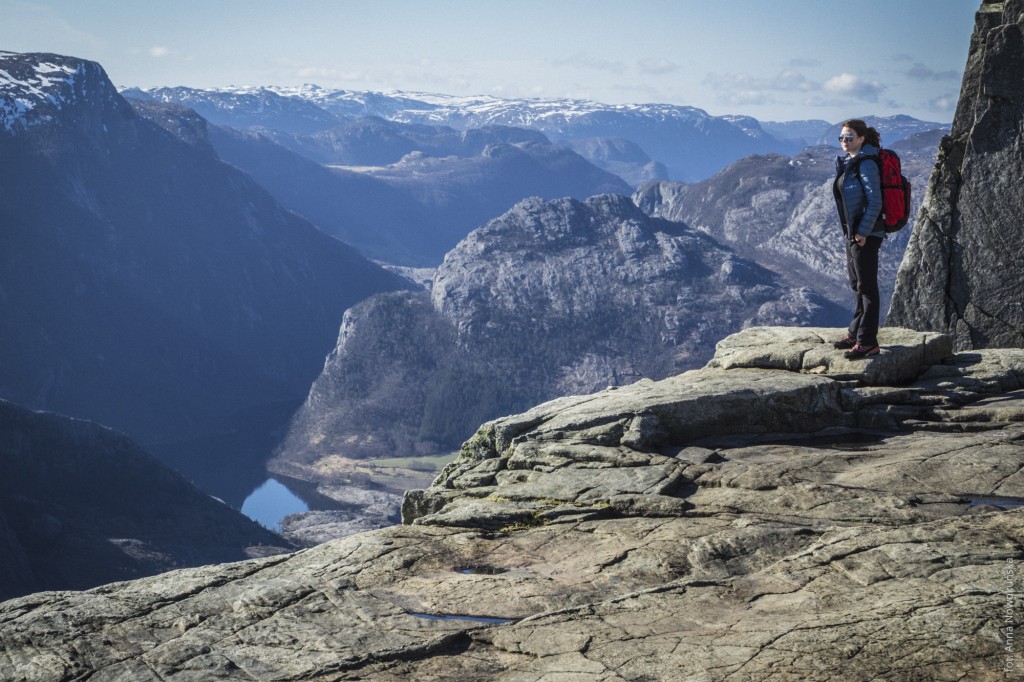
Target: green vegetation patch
{"points": [[432, 463]]}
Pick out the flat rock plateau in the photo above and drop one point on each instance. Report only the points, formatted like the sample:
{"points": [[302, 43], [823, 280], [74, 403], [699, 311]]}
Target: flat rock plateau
{"points": [[780, 514]]}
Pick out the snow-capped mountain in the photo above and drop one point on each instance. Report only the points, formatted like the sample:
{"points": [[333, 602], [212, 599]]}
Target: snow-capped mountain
{"points": [[551, 114], [892, 128], [145, 283], [35, 88], [357, 103], [475, 111], [689, 143], [247, 108]]}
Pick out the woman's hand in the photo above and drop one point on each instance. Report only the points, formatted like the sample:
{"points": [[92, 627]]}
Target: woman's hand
{"points": [[860, 239]]}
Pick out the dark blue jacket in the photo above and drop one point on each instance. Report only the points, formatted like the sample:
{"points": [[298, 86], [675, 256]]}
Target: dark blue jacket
{"points": [[858, 194]]}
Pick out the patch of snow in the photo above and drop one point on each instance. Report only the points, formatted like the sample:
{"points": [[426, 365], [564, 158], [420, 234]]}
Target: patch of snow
{"points": [[438, 109], [38, 89]]}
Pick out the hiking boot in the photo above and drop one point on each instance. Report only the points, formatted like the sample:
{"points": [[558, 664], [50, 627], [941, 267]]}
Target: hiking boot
{"points": [[860, 352], [843, 344]]}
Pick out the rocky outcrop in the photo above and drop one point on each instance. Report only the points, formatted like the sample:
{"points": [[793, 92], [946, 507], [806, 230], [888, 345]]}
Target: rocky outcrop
{"points": [[962, 274], [794, 517], [81, 505], [645, 432], [553, 298]]}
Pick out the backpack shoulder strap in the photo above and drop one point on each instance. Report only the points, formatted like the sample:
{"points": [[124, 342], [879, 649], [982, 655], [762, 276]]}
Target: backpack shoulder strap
{"points": [[856, 161]]}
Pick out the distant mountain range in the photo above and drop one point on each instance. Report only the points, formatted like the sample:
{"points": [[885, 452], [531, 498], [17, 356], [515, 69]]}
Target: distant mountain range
{"points": [[404, 193], [690, 144], [403, 177]]}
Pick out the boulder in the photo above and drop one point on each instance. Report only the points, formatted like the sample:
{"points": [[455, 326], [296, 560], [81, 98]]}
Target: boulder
{"points": [[905, 353]]}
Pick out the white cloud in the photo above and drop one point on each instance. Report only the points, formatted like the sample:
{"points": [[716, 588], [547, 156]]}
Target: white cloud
{"points": [[744, 98], [159, 51], [791, 87], [944, 104], [739, 88], [849, 85], [793, 81]]}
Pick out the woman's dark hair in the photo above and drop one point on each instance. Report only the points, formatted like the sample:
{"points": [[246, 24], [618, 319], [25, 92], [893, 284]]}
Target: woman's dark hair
{"points": [[870, 135]]}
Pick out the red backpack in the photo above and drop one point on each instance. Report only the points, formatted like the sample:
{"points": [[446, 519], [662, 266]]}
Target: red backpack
{"points": [[895, 189]]}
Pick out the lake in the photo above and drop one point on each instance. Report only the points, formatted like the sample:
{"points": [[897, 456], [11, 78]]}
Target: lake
{"points": [[278, 496]]}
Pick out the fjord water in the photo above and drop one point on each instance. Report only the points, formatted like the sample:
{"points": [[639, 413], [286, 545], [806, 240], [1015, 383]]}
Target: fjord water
{"points": [[279, 496], [270, 502], [232, 468]]}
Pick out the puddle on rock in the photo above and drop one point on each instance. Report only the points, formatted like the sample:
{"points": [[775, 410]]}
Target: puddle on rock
{"points": [[839, 439], [994, 501], [480, 570], [454, 616], [845, 442]]}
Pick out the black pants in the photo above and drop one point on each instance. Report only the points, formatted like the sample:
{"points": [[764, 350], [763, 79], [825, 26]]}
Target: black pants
{"points": [[862, 265]]}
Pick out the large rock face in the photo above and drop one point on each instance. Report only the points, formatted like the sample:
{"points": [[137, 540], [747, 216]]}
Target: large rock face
{"points": [[962, 273], [553, 298], [794, 517], [81, 505]]}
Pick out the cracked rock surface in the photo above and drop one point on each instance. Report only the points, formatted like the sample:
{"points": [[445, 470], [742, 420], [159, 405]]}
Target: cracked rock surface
{"points": [[789, 516]]}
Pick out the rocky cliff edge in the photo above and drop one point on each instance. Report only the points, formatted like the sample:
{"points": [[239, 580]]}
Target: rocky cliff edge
{"points": [[962, 273], [780, 514]]}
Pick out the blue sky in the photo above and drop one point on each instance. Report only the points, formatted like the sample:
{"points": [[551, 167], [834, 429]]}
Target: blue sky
{"points": [[774, 60]]}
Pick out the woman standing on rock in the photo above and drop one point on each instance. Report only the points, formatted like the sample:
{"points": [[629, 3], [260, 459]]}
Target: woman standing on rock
{"points": [[858, 192]]}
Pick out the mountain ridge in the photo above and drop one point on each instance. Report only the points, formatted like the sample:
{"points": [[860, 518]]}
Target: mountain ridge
{"points": [[402, 193], [554, 297], [148, 285], [38, 87], [690, 143], [82, 505]]}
